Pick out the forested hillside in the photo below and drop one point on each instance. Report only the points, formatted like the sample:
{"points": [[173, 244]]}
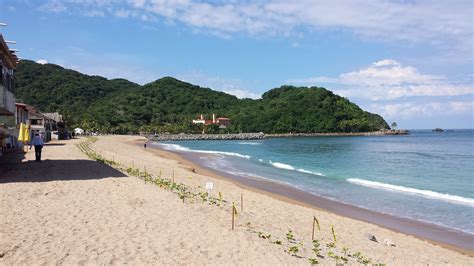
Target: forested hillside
{"points": [[169, 105]]}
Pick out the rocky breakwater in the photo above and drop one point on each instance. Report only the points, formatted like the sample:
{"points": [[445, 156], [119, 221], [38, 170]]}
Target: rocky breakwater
{"points": [[178, 137], [345, 134]]}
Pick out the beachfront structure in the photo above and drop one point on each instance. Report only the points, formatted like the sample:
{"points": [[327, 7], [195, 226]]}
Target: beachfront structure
{"points": [[8, 129], [42, 124], [222, 122], [22, 113], [59, 129], [200, 120], [49, 125]]}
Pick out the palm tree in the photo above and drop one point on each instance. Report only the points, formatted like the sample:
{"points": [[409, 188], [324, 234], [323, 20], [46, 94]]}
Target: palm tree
{"points": [[394, 125]]}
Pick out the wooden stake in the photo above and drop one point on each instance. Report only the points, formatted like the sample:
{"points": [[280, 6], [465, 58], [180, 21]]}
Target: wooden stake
{"points": [[233, 213], [315, 223]]}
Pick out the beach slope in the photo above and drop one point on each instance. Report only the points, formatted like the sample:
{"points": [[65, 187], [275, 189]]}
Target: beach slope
{"points": [[71, 209]]}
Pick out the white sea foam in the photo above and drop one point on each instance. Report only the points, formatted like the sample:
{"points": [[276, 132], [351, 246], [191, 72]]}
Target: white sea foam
{"points": [[173, 147], [282, 166], [176, 147], [250, 143], [290, 167], [309, 172], [419, 192]]}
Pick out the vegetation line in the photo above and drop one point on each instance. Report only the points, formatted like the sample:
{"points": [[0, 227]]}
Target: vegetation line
{"points": [[169, 105], [299, 248]]}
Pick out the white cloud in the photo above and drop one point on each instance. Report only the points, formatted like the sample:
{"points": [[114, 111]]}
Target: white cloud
{"points": [[428, 109], [41, 61], [445, 24], [241, 93], [388, 79], [122, 13], [94, 13], [55, 6]]}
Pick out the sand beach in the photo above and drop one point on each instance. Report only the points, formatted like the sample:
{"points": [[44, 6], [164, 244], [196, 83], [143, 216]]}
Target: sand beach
{"points": [[71, 209]]}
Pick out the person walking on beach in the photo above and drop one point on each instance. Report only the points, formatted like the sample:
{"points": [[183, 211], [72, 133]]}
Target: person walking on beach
{"points": [[38, 143], [144, 145]]}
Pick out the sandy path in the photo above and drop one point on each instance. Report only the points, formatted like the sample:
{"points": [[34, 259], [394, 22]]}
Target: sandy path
{"points": [[69, 209]]}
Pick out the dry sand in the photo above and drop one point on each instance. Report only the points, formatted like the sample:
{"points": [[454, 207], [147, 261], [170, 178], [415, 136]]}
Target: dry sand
{"points": [[70, 209]]}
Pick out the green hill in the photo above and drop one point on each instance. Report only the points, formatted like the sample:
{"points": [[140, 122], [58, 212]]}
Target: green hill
{"points": [[168, 105]]}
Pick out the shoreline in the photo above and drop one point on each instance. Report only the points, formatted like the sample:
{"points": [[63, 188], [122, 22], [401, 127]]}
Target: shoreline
{"points": [[261, 135], [452, 239]]}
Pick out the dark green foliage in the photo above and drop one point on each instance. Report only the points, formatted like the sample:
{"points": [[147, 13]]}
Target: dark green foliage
{"points": [[305, 110], [169, 105]]}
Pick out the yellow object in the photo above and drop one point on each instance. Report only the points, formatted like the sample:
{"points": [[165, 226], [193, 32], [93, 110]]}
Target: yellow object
{"points": [[21, 134], [26, 137]]}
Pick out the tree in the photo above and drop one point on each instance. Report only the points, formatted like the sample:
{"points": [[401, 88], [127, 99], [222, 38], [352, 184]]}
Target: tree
{"points": [[394, 125], [169, 105]]}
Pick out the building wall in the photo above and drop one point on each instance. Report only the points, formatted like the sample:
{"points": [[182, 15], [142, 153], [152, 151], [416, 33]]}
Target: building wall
{"points": [[8, 129], [7, 101]]}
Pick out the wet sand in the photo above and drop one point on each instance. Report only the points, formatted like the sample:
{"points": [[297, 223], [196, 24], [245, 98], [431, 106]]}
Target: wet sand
{"points": [[451, 238], [74, 210], [446, 237]]}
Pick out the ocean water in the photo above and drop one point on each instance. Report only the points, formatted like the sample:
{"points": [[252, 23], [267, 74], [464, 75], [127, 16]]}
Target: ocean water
{"points": [[425, 176]]}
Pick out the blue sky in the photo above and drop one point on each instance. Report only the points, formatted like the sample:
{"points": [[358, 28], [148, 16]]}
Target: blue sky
{"points": [[410, 61]]}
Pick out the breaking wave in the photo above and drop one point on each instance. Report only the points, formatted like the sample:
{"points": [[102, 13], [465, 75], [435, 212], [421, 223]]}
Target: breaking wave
{"points": [[289, 167], [176, 147], [419, 192]]}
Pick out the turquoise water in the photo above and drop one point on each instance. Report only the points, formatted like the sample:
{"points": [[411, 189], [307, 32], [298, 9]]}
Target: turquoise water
{"points": [[425, 176]]}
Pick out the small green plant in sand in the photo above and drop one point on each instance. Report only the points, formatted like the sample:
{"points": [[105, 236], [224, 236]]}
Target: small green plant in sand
{"points": [[345, 250], [316, 251], [264, 236], [277, 242], [317, 248], [365, 261], [289, 236], [331, 245], [249, 224], [313, 261], [293, 250], [332, 255], [361, 259], [203, 196]]}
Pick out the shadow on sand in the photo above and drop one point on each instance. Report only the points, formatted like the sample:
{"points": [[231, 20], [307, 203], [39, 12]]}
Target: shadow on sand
{"points": [[53, 170], [54, 144]]}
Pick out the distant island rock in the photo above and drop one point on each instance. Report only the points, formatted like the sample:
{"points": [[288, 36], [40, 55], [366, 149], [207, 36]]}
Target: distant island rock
{"points": [[438, 130]]}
